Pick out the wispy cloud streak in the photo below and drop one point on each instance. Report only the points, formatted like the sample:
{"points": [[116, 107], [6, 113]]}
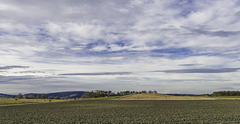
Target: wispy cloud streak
{"points": [[12, 67], [219, 70], [100, 73]]}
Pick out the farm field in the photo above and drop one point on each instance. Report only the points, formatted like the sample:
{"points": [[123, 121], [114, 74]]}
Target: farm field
{"points": [[13, 102], [124, 111]]}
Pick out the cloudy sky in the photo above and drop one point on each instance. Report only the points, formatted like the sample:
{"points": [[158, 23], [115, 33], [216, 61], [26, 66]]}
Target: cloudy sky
{"points": [[172, 46]]}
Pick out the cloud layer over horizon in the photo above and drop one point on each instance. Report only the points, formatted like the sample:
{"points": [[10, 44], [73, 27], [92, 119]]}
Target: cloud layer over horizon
{"points": [[170, 46]]}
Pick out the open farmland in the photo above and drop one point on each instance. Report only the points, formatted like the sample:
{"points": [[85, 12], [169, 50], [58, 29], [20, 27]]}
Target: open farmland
{"points": [[126, 111], [13, 102]]}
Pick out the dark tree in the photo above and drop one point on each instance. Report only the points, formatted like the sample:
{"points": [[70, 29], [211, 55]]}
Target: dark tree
{"points": [[20, 96], [57, 97], [38, 96], [151, 92], [31, 96], [154, 92], [25, 96], [43, 96], [144, 91]]}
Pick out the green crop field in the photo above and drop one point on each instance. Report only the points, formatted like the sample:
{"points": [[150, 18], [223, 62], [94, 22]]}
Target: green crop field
{"points": [[13, 102], [126, 111]]}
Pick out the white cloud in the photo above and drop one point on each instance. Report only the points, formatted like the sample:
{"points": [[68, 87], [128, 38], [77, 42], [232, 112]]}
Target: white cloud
{"points": [[99, 48]]}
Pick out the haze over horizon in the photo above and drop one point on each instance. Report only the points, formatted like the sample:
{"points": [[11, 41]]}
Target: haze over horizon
{"points": [[172, 46]]}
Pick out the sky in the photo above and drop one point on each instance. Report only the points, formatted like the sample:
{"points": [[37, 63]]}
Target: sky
{"points": [[172, 46]]}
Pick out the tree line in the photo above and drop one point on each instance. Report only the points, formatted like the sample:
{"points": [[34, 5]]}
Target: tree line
{"points": [[226, 93], [102, 93]]}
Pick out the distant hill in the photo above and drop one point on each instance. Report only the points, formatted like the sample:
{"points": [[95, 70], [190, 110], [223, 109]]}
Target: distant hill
{"points": [[7, 96], [68, 94]]}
